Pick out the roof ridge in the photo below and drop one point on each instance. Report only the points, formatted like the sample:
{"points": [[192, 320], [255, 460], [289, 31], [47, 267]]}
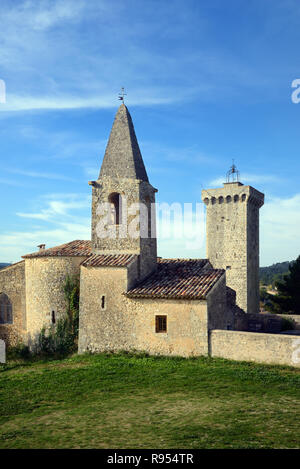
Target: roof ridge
{"points": [[11, 265], [108, 260], [182, 259], [84, 248]]}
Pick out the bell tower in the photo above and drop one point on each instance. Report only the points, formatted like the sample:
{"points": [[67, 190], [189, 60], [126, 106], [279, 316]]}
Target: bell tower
{"points": [[123, 200], [232, 237]]}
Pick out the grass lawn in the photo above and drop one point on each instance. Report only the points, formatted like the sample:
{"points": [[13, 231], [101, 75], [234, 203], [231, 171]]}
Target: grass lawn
{"points": [[131, 401]]}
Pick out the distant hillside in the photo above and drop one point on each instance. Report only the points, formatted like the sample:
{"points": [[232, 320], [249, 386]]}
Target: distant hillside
{"points": [[267, 275], [3, 264]]}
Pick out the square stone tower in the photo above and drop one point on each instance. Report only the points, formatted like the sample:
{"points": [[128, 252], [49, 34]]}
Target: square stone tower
{"points": [[232, 238], [123, 200]]}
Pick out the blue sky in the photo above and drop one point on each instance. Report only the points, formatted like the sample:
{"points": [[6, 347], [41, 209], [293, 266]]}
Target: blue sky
{"points": [[207, 81]]}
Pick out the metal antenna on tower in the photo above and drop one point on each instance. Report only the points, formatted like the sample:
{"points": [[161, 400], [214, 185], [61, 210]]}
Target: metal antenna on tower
{"points": [[233, 175], [122, 94]]}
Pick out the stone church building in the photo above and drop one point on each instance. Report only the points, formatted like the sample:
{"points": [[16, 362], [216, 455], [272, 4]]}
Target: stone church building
{"points": [[130, 299]]}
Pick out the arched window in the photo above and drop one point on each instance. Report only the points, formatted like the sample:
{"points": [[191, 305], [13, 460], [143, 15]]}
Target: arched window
{"points": [[6, 316], [115, 201]]}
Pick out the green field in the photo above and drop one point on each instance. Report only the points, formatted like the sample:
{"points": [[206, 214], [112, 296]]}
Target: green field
{"points": [[131, 401]]}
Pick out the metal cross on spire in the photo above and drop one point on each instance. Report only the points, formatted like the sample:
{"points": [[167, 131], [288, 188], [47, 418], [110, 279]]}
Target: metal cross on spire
{"points": [[122, 94]]}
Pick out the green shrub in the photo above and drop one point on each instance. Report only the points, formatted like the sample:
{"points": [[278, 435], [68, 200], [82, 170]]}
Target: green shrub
{"points": [[287, 324], [19, 351], [57, 340]]}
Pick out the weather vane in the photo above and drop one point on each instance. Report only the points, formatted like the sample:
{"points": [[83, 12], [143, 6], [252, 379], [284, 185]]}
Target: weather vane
{"points": [[233, 175], [122, 94]]}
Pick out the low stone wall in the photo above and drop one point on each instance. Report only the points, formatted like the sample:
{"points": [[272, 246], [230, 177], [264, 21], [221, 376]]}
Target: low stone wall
{"points": [[294, 317], [258, 347], [257, 322]]}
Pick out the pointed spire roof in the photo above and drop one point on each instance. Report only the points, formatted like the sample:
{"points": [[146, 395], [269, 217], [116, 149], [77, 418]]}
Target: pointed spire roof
{"points": [[122, 158]]}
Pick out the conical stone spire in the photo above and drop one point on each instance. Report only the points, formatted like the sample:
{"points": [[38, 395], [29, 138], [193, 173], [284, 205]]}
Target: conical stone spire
{"points": [[122, 157]]}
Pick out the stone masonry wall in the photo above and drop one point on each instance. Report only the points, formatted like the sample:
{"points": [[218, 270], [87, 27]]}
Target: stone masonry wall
{"points": [[252, 256], [219, 315], [148, 245], [45, 277], [258, 347], [129, 324], [12, 283], [232, 239]]}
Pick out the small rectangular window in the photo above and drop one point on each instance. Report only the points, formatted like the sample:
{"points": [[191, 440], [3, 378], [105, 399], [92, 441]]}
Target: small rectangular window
{"points": [[161, 323], [2, 314]]}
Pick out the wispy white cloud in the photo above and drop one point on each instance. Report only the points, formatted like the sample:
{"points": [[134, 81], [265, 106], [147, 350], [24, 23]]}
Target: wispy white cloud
{"points": [[43, 14], [50, 65], [58, 145], [182, 234], [11, 182], [39, 175], [47, 65], [63, 217], [13, 245], [279, 230], [279, 233], [57, 210], [189, 155], [65, 102], [48, 14]]}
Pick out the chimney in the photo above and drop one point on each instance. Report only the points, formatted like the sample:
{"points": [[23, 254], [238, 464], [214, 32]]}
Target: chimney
{"points": [[42, 246]]}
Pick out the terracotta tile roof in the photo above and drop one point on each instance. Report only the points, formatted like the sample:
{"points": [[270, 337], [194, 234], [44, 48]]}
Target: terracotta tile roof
{"points": [[178, 278], [98, 260], [74, 248]]}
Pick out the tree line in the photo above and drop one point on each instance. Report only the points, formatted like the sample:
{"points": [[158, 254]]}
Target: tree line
{"points": [[287, 299]]}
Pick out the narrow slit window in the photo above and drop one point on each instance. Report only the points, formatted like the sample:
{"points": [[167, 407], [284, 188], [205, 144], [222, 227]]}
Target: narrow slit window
{"points": [[103, 302], [53, 320], [149, 208], [161, 324]]}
